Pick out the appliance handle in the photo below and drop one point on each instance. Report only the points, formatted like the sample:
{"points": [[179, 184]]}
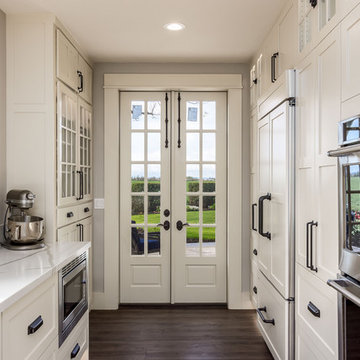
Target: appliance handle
{"points": [[261, 215], [344, 151], [253, 216], [308, 265], [312, 267], [262, 317], [346, 288]]}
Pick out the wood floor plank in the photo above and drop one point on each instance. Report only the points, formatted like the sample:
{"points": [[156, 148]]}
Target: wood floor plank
{"points": [[176, 333]]}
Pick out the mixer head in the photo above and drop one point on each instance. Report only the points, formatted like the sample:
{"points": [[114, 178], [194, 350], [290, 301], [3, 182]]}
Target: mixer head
{"points": [[22, 199]]}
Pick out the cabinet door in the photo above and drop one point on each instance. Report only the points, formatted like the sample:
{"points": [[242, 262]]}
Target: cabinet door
{"points": [[328, 108], [305, 140], [67, 125], [69, 233], [264, 251], [86, 72], [350, 39], [67, 61], [85, 150]]}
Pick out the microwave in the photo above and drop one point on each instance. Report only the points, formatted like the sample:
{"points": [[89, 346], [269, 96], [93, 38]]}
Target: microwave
{"points": [[349, 131]]}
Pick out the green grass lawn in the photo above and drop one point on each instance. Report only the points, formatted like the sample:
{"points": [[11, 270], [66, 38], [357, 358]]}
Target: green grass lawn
{"points": [[192, 217]]}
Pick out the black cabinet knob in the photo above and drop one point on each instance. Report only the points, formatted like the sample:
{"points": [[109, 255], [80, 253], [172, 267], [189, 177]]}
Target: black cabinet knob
{"points": [[70, 214]]}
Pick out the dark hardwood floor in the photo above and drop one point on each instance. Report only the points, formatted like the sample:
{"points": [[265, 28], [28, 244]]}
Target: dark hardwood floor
{"points": [[175, 333]]}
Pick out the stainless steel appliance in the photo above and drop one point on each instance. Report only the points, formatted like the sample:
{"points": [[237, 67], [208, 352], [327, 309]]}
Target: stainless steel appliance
{"points": [[22, 231], [73, 295], [348, 282]]}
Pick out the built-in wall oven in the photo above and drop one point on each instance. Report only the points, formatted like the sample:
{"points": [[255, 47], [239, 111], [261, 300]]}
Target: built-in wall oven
{"points": [[73, 295], [348, 282]]}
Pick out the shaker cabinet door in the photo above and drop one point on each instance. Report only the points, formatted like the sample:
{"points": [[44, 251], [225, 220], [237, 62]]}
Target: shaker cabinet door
{"points": [[85, 86]]}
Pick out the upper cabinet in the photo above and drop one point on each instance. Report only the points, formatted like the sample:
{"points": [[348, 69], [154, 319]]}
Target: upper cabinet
{"points": [[72, 69]]}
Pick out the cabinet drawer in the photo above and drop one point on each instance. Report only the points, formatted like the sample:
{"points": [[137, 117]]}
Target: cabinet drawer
{"points": [[316, 311], [76, 344], [51, 352], [68, 215], [275, 335], [85, 210], [31, 322]]}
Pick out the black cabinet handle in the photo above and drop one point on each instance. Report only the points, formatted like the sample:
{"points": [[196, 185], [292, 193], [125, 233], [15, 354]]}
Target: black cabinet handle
{"points": [[255, 81], [261, 215], [35, 325], [255, 289], [253, 217], [262, 317], [273, 66], [313, 3], [81, 175], [81, 233], [165, 225], [70, 214], [75, 351], [86, 210], [308, 264], [255, 252], [313, 309], [166, 121], [81, 76], [179, 120], [312, 267]]}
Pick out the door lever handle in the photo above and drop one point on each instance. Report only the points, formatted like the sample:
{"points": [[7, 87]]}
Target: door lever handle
{"points": [[180, 225], [165, 225]]}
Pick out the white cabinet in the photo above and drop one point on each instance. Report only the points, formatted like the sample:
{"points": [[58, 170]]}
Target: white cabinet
{"points": [[31, 322], [350, 38], [273, 179], [72, 69], [316, 318], [79, 231], [318, 111], [74, 154]]}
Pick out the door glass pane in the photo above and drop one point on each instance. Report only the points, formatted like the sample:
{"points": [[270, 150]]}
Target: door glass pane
{"points": [[154, 114], [192, 147], [209, 178], [137, 209], [208, 241], [209, 209], [137, 114], [192, 115], [192, 177], [154, 146], [73, 157], [209, 115], [209, 147], [192, 247], [137, 240], [154, 171], [192, 209], [137, 146], [154, 235], [153, 210], [63, 181], [137, 177]]}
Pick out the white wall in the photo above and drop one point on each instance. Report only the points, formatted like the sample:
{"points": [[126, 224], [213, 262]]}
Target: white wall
{"points": [[156, 68], [2, 115]]}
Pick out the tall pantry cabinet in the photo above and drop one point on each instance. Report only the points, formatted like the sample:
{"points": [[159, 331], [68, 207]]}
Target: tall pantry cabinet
{"points": [[49, 124]]}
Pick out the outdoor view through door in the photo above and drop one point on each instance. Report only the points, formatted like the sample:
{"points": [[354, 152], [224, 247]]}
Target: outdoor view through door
{"points": [[172, 197]]}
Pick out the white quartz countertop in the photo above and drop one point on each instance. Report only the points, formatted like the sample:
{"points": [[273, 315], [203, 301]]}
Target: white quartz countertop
{"points": [[23, 271]]}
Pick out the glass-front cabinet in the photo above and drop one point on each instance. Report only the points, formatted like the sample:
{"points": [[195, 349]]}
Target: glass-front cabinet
{"points": [[74, 153]]}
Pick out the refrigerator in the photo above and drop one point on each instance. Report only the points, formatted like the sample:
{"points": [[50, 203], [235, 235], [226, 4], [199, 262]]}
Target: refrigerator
{"points": [[275, 210]]}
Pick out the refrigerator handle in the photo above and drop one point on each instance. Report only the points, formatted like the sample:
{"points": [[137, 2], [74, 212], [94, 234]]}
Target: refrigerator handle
{"points": [[308, 265], [313, 268], [253, 216], [261, 215]]}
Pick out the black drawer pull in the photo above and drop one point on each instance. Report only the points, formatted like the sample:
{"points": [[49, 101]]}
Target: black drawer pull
{"points": [[313, 309], [86, 210], [70, 214], [255, 289], [255, 252], [75, 351], [261, 215], [262, 317], [35, 325]]}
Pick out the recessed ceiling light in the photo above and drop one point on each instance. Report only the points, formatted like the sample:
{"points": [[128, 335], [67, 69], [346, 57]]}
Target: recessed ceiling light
{"points": [[174, 26]]}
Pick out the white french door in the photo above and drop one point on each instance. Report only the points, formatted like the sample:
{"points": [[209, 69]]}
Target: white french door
{"points": [[172, 197]]}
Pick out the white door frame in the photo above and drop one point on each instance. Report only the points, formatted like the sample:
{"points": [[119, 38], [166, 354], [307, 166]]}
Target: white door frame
{"points": [[113, 84]]}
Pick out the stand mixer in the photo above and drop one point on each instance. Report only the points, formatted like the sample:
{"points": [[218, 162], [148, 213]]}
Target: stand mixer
{"points": [[22, 231]]}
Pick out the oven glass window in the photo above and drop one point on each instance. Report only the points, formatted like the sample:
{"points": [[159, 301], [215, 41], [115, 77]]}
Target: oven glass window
{"points": [[352, 130], [352, 202], [73, 293]]}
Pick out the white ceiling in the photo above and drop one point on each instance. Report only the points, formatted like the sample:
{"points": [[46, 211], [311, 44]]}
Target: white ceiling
{"points": [[132, 30]]}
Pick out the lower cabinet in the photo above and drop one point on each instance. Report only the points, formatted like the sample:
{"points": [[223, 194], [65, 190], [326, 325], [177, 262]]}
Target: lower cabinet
{"points": [[254, 283], [31, 322], [273, 322], [316, 318]]}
